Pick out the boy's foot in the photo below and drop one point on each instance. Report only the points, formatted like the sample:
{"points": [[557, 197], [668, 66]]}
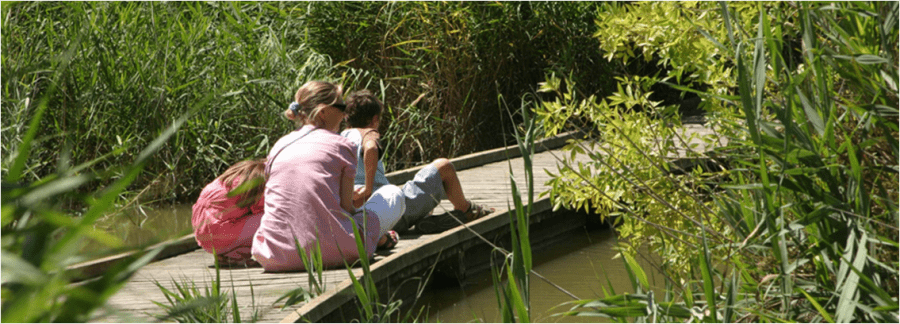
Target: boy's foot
{"points": [[474, 212], [445, 221]]}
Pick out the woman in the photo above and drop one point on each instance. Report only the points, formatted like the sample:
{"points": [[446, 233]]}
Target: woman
{"points": [[308, 197]]}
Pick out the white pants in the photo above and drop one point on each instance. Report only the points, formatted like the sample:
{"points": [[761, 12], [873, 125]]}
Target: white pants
{"points": [[388, 204]]}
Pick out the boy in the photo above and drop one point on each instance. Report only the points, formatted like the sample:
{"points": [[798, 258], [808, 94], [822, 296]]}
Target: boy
{"points": [[434, 182]]}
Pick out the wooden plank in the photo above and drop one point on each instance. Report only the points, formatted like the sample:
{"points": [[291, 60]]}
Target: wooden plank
{"points": [[486, 184]]}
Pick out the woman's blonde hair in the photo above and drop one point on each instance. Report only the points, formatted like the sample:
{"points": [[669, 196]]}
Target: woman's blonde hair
{"points": [[311, 98], [243, 172]]}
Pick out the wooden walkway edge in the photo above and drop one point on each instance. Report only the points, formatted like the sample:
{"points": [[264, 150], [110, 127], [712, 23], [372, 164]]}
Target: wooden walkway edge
{"points": [[94, 268], [484, 181], [337, 305]]}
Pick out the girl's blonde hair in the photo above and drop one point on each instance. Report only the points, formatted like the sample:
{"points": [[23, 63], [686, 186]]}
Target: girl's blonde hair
{"points": [[244, 172], [312, 97]]}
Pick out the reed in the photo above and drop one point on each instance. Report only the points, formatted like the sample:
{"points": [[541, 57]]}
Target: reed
{"points": [[796, 224], [444, 64], [514, 296], [188, 303], [41, 239], [133, 67]]}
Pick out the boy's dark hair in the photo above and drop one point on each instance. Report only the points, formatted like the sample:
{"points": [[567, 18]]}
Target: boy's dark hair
{"points": [[362, 106]]}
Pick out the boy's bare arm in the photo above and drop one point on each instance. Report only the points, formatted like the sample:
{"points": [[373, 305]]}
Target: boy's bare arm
{"points": [[370, 160], [370, 165]]}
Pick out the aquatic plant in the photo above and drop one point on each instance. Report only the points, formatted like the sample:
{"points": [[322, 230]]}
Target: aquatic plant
{"points": [[513, 296], [444, 64]]}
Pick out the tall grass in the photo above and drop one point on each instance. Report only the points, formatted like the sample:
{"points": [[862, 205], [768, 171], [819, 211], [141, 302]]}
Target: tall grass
{"points": [[134, 67], [514, 297], [40, 239], [189, 304], [800, 225], [444, 64]]}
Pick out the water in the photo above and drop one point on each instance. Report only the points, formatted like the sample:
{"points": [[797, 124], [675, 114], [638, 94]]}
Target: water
{"points": [[142, 226], [581, 265]]}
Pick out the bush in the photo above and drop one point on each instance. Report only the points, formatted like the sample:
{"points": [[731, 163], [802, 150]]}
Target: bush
{"points": [[800, 222]]}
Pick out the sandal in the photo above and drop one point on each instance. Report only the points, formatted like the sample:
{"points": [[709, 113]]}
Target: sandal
{"points": [[475, 211], [392, 238]]}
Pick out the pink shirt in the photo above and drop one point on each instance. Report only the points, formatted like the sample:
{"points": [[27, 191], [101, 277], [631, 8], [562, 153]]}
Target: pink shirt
{"points": [[220, 226], [302, 202]]}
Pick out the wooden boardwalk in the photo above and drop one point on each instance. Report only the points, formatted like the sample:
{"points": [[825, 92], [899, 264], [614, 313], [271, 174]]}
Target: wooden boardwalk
{"points": [[487, 184]]}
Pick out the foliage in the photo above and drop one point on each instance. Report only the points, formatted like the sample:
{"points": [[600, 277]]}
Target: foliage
{"points": [[313, 264], [628, 171], [514, 297], [134, 67], [665, 41], [802, 214], [370, 306], [444, 63], [188, 304], [40, 241]]}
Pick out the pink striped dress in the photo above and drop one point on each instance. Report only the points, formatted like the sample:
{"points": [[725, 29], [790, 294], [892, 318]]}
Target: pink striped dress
{"points": [[220, 226], [302, 203]]}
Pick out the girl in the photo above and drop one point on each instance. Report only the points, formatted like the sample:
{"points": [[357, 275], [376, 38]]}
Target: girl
{"points": [[228, 212], [309, 189], [434, 182]]}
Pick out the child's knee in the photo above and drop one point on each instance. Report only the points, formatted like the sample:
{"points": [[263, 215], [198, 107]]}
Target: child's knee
{"points": [[442, 164]]}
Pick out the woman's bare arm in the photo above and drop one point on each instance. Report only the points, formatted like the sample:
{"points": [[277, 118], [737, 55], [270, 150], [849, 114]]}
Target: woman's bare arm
{"points": [[346, 190]]}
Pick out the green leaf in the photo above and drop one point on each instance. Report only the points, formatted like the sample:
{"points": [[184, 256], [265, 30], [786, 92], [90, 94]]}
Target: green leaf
{"points": [[515, 298], [635, 268], [868, 59], [816, 304], [811, 113], [17, 270], [706, 270], [849, 288], [613, 312]]}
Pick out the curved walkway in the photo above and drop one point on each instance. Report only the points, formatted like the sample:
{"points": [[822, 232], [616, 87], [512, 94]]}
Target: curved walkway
{"points": [[485, 180]]}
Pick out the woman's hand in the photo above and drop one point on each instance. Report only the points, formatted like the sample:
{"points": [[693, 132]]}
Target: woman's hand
{"points": [[360, 196]]}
